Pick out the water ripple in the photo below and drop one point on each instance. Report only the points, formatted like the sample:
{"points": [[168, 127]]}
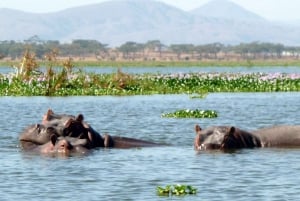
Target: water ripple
{"points": [[113, 174]]}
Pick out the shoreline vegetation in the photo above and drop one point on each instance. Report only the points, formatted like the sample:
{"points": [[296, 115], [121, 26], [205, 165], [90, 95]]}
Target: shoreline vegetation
{"points": [[29, 80], [89, 62], [152, 53]]}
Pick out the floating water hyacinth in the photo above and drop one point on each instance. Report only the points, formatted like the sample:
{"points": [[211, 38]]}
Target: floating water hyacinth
{"points": [[63, 83], [187, 113], [177, 190]]}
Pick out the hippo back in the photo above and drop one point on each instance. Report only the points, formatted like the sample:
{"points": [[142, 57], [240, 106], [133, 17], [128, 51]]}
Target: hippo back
{"points": [[279, 136]]}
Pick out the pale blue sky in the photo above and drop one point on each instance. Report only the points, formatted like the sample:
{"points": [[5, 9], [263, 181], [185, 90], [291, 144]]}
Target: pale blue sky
{"points": [[270, 9]]}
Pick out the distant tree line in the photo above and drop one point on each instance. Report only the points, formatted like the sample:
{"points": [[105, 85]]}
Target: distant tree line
{"points": [[150, 50]]}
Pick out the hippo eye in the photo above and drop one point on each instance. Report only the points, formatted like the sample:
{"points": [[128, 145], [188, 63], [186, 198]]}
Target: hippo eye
{"points": [[50, 130], [38, 127]]}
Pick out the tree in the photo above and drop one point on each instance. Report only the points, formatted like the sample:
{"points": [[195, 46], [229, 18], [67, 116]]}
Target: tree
{"points": [[182, 48], [130, 48]]}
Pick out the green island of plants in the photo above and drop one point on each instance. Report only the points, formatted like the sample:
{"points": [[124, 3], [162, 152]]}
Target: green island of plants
{"points": [[63, 79], [187, 113], [177, 190]]}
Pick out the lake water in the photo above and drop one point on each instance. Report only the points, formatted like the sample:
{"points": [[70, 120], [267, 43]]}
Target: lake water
{"points": [[134, 174], [171, 69]]}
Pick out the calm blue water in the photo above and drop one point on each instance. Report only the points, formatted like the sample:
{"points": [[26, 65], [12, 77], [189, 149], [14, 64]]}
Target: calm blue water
{"points": [[171, 69], [134, 174]]}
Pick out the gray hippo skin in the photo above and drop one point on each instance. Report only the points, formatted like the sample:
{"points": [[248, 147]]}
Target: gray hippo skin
{"points": [[95, 139], [69, 125], [75, 128], [279, 136], [224, 137], [229, 137], [58, 147], [37, 134]]}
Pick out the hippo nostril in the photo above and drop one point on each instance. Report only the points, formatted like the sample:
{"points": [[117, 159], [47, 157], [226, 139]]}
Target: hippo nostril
{"points": [[202, 147], [69, 146]]}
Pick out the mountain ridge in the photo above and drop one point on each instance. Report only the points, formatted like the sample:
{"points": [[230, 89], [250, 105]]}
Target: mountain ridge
{"points": [[116, 22]]}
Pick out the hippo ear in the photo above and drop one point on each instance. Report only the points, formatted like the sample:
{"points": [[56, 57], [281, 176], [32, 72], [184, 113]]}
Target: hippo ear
{"points": [[48, 114], [53, 139], [80, 118], [197, 128], [231, 130], [68, 123]]}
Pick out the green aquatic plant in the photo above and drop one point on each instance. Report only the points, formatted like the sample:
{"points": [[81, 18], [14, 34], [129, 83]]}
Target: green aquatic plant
{"points": [[187, 113], [177, 190], [60, 79]]}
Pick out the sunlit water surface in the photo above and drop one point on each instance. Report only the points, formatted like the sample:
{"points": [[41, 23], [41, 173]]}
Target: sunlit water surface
{"points": [[134, 174]]}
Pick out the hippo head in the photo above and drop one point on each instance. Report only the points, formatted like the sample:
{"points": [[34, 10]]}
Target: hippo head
{"points": [[60, 146], [37, 134], [66, 125], [223, 137], [75, 128]]}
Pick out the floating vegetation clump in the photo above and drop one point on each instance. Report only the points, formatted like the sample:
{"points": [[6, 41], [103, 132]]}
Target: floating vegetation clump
{"points": [[191, 114], [177, 190]]}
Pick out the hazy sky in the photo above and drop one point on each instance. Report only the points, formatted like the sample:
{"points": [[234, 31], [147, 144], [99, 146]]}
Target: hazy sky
{"points": [[270, 9]]}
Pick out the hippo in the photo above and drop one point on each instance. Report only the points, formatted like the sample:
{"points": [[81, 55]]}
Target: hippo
{"points": [[224, 137], [64, 125], [230, 137], [39, 134], [58, 147], [94, 137]]}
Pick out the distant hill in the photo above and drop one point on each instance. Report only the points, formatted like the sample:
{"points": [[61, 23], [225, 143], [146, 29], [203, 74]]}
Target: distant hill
{"points": [[119, 21], [226, 9]]}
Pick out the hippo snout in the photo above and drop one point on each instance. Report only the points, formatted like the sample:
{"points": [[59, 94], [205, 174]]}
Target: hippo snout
{"points": [[204, 147], [63, 147]]}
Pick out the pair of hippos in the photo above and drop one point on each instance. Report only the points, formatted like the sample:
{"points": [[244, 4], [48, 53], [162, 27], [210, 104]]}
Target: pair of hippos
{"points": [[62, 134]]}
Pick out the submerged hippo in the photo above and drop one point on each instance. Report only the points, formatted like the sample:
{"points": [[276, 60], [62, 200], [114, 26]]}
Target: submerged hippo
{"points": [[75, 128], [58, 147], [229, 137]]}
